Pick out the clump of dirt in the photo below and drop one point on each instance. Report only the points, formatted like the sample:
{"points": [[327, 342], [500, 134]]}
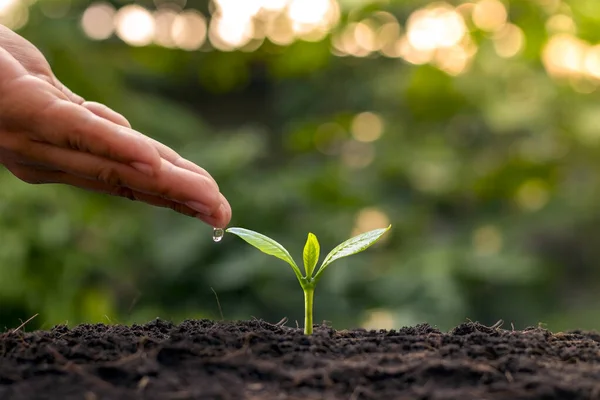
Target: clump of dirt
{"points": [[204, 359]]}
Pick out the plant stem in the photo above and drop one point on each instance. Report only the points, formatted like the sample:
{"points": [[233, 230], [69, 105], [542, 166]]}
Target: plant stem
{"points": [[308, 310]]}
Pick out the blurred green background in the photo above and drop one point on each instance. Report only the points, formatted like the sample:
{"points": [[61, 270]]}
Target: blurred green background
{"points": [[472, 127]]}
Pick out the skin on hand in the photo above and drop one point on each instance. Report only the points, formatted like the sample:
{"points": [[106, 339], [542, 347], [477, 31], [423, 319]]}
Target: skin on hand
{"points": [[50, 135]]}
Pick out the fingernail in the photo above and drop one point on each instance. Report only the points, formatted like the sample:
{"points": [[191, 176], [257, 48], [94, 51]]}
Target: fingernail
{"points": [[143, 168], [201, 208]]}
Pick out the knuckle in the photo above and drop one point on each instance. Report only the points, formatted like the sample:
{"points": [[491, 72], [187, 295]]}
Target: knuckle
{"points": [[76, 138], [110, 176], [163, 189]]}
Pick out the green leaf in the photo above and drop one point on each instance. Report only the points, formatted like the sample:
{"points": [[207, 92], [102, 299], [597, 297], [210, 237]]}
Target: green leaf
{"points": [[352, 246], [267, 246], [311, 254]]}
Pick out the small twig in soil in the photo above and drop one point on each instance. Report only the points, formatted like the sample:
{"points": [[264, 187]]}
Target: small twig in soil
{"points": [[24, 323], [218, 303], [18, 328], [143, 383], [497, 325], [282, 322]]}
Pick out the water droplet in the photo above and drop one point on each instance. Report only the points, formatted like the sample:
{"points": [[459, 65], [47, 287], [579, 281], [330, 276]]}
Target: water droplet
{"points": [[218, 234]]}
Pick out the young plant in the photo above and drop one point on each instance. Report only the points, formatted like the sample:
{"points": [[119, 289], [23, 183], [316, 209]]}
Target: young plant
{"points": [[309, 281]]}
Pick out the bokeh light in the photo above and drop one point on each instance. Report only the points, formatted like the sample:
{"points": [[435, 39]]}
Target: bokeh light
{"points": [[369, 219], [135, 25], [164, 18], [564, 55], [509, 41], [379, 319], [189, 30], [367, 127], [489, 15], [14, 14], [435, 27], [97, 21], [532, 195], [230, 31]]}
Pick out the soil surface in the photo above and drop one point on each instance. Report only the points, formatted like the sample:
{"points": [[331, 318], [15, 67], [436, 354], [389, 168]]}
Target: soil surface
{"points": [[257, 360]]}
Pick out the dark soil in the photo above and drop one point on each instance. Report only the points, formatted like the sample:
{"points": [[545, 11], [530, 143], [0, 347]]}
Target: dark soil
{"points": [[258, 360]]}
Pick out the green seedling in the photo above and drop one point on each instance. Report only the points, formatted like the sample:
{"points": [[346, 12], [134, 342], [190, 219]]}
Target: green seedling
{"points": [[311, 252]]}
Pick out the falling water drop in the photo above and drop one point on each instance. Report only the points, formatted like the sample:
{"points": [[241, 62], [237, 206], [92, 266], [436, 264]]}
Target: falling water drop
{"points": [[218, 234]]}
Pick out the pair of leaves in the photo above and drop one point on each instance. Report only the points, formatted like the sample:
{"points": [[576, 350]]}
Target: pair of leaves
{"points": [[311, 252]]}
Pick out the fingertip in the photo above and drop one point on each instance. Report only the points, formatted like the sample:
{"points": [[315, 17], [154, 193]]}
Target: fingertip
{"points": [[226, 207], [220, 219]]}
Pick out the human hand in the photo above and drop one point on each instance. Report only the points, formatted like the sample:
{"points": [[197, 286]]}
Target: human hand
{"points": [[50, 135]]}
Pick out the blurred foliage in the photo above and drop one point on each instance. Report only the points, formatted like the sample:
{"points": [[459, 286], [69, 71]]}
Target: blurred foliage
{"points": [[490, 179]]}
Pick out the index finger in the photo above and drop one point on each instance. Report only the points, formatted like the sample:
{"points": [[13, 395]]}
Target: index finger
{"points": [[69, 125]]}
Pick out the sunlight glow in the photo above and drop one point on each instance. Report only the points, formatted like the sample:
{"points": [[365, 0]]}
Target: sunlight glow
{"points": [[564, 55], [163, 33], [490, 15], [437, 35], [309, 12], [280, 30], [591, 62], [452, 60], [567, 57], [368, 219], [189, 30], [379, 319], [388, 36], [135, 25], [274, 5], [532, 195], [364, 35], [97, 21], [509, 41], [230, 31], [14, 14], [237, 9], [560, 23], [367, 127], [235, 23], [7, 5], [433, 28], [412, 54]]}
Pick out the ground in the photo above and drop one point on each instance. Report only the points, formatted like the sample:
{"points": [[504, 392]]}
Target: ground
{"points": [[203, 359]]}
